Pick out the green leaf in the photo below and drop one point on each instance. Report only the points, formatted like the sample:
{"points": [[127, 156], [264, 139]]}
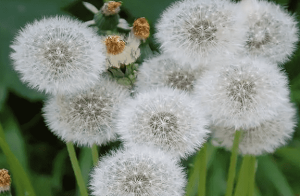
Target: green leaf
{"points": [[14, 137], [59, 169], [217, 180], [42, 184], [117, 73], [16, 168], [290, 154], [124, 81], [272, 172], [129, 70]]}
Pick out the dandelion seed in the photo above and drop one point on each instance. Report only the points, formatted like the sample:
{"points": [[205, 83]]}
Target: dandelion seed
{"points": [[195, 31], [264, 138], [243, 92], [86, 118], [272, 31], [165, 118], [139, 171], [163, 70], [58, 54]]}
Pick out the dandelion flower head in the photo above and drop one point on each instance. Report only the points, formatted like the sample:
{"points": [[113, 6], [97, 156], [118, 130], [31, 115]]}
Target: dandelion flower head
{"points": [[272, 31], [58, 54], [163, 70], [243, 92], [197, 30], [5, 180], [264, 138], [142, 171], [86, 118], [165, 118]]}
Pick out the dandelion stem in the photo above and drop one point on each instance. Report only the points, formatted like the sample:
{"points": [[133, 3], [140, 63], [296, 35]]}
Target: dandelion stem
{"points": [[232, 167], [76, 169], [243, 180], [202, 166], [95, 154], [252, 164]]}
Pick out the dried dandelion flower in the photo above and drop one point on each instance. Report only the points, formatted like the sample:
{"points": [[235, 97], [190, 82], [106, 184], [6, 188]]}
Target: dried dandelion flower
{"points": [[111, 8], [121, 52], [138, 171], [197, 30], [58, 55], [163, 70], [114, 45], [243, 93], [272, 32], [165, 118], [141, 28], [264, 138], [86, 118], [5, 180]]}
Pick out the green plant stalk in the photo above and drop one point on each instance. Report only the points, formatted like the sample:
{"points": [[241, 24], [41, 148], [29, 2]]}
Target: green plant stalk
{"points": [[95, 154], [22, 180], [252, 164], [233, 160], [243, 180], [76, 169], [202, 169]]}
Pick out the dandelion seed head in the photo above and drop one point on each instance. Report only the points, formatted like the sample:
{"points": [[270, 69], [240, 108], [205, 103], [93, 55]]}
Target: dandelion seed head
{"points": [[58, 54], [243, 92], [272, 31], [193, 31], [140, 171], [163, 70], [165, 118], [87, 117], [264, 138]]}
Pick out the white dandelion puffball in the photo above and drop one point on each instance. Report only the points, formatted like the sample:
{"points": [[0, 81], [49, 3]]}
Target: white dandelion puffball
{"points": [[139, 171], [58, 54], [165, 118], [243, 92], [264, 138], [163, 70], [86, 117], [198, 30], [272, 31]]}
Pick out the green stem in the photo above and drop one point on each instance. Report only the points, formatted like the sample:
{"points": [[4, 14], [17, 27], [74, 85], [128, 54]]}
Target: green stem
{"points": [[22, 180], [232, 166], [252, 164], [202, 169], [76, 169], [95, 154], [243, 180]]}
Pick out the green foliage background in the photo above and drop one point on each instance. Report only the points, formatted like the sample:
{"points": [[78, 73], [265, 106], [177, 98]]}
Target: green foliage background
{"points": [[44, 157]]}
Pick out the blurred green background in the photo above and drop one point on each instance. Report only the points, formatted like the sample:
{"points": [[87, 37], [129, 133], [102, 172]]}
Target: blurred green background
{"points": [[44, 157]]}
